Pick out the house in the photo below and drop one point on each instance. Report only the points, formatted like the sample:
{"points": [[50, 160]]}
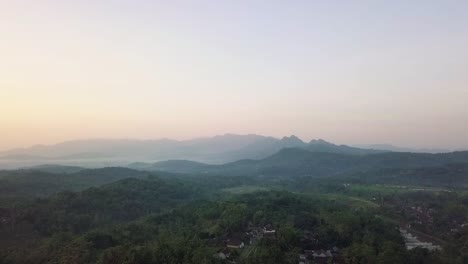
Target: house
{"points": [[234, 243], [324, 256], [268, 229], [269, 232], [319, 254], [223, 254], [303, 259]]}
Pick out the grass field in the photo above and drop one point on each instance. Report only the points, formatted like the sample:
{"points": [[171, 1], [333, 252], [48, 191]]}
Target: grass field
{"points": [[351, 199], [374, 191], [383, 188]]}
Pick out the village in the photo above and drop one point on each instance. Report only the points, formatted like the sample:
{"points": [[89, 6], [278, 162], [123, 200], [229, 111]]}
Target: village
{"points": [[242, 244], [411, 241], [425, 220], [314, 252]]}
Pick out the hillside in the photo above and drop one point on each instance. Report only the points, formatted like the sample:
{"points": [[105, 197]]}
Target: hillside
{"points": [[28, 184], [299, 162], [52, 168], [73, 213], [177, 166], [448, 175]]}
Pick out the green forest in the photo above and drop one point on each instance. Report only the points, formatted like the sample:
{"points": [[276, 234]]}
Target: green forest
{"points": [[129, 216]]}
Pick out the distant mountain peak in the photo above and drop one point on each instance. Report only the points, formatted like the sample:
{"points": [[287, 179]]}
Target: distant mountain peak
{"points": [[215, 150], [292, 139], [320, 141]]}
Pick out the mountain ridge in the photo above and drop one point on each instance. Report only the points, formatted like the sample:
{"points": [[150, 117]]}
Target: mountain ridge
{"points": [[214, 150], [290, 162]]}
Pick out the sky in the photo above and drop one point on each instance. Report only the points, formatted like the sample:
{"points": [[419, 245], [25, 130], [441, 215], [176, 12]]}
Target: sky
{"points": [[351, 72]]}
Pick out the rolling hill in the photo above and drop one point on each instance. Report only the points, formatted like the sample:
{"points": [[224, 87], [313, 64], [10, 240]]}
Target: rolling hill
{"points": [[291, 162], [29, 184]]}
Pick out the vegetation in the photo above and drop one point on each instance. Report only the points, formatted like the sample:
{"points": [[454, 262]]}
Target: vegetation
{"points": [[119, 215], [194, 232], [447, 169], [26, 184]]}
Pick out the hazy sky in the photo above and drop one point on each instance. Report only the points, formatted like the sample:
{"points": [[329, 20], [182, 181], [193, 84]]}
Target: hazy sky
{"points": [[346, 71]]}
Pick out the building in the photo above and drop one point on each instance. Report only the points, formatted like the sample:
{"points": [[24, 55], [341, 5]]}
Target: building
{"points": [[234, 243]]}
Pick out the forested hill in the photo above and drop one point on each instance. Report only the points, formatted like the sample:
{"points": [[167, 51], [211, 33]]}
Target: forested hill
{"points": [[123, 200], [178, 218], [300, 162], [447, 175], [73, 213], [28, 183], [154, 221], [54, 168]]}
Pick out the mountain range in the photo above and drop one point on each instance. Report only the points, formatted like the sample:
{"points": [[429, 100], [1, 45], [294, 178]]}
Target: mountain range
{"points": [[214, 150], [298, 162], [392, 148]]}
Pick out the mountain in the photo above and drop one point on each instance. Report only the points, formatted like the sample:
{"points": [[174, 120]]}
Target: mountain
{"points": [[324, 146], [293, 162], [288, 162], [53, 168], [392, 148], [447, 175], [185, 166], [213, 150]]}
